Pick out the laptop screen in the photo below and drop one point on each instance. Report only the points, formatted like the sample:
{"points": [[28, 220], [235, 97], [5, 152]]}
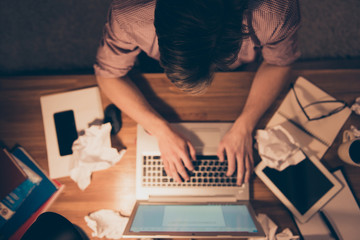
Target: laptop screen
{"points": [[193, 218]]}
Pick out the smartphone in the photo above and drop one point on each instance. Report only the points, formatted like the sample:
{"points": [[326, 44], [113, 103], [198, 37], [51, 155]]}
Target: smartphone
{"points": [[65, 131]]}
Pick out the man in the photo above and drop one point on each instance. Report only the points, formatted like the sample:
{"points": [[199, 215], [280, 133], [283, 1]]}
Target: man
{"points": [[193, 38]]}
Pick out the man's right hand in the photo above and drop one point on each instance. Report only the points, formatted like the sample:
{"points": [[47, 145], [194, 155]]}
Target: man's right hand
{"points": [[177, 154], [176, 151]]}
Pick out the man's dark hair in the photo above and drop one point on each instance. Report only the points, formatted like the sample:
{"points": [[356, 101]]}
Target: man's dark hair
{"points": [[196, 37]]}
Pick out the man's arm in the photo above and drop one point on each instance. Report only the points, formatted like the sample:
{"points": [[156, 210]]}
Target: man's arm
{"points": [[175, 150], [237, 143]]}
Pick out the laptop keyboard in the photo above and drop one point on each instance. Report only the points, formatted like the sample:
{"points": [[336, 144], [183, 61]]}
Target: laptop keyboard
{"points": [[209, 171]]}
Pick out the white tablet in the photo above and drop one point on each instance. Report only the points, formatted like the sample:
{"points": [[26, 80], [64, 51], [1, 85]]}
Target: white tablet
{"points": [[303, 188]]}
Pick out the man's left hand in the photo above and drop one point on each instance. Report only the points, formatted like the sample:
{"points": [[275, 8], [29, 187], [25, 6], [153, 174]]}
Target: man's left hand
{"points": [[237, 147]]}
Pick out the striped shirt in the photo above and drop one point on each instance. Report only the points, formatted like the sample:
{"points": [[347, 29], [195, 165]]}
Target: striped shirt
{"points": [[130, 30]]}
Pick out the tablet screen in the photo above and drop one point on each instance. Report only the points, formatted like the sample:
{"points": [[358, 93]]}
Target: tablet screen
{"points": [[193, 218], [302, 184]]}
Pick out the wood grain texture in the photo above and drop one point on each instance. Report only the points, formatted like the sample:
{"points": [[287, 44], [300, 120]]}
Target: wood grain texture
{"points": [[114, 188]]}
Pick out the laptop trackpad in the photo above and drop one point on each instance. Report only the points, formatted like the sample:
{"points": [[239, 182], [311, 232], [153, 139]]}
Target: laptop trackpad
{"points": [[205, 140]]}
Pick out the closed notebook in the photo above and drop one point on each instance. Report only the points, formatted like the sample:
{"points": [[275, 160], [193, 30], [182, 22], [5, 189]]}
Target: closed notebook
{"points": [[315, 136], [342, 212]]}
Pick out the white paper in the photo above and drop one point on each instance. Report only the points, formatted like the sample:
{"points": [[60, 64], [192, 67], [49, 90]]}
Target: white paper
{"points": [[92, 152], [270, 229], [106, 223], [277, 148]]}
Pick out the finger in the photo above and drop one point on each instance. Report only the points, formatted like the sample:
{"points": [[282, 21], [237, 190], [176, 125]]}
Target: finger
{"points": [[251, 165], [220, 154], [192, 151], [181, 170], [167, 168], [240, 169], [185, 157], [231, 163], [248, 169], [174, 172]]}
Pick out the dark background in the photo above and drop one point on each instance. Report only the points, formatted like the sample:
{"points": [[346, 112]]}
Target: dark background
{"points": [[61, 36]]}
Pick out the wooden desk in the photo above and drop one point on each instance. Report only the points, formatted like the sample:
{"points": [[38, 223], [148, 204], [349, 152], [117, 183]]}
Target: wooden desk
{"points": [[114, 188]]}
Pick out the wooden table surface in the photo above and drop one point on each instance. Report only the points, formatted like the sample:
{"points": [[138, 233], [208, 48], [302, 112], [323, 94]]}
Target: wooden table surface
{"points": [[114, 188]]}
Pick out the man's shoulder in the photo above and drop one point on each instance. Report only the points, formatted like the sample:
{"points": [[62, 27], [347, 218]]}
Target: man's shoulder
{"points": [[133, 11], [274, 20], [275, 23], [279, 8]]}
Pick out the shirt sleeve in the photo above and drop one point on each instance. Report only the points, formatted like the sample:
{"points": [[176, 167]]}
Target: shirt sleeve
{"points": [[117, 52], [281, 45]]}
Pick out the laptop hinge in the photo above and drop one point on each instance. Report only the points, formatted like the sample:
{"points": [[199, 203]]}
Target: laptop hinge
{"points": [[222, 198]]}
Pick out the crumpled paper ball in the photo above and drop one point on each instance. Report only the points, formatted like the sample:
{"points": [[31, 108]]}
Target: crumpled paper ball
{"points": [[92, 151], [106, 223], [277, 148], [270, 229]]}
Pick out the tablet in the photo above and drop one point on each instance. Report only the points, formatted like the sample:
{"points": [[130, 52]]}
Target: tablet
{"points": [[303, 188]]}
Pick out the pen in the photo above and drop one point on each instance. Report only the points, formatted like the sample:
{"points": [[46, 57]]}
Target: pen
{"points": [[328, 224]]}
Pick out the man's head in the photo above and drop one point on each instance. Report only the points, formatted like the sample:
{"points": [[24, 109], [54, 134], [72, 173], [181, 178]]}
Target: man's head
{"points": [[196, 37]]}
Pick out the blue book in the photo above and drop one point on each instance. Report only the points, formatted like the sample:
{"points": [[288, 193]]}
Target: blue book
{"points": [[10, 204], [15, 186], [40, 194]]}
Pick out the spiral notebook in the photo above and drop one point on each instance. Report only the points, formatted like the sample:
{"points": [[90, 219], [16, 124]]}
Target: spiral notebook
{"points": [[316, 136]]}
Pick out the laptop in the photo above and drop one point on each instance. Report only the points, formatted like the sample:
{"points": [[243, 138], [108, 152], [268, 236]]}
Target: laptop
{"points": [[209, 205]]}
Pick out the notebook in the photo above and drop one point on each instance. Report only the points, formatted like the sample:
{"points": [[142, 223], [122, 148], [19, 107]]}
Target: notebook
{"points": [[342, 213], [314, 137], [206, 208]]}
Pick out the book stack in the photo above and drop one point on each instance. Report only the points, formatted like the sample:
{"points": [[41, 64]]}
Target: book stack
{"points": [[25, 192]]}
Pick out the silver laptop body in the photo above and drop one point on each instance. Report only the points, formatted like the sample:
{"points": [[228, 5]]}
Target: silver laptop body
{"points": [[195, 209]]}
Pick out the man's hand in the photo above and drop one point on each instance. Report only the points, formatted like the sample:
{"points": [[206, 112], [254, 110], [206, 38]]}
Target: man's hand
{"points": [[176, 153], [237, 146]]}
